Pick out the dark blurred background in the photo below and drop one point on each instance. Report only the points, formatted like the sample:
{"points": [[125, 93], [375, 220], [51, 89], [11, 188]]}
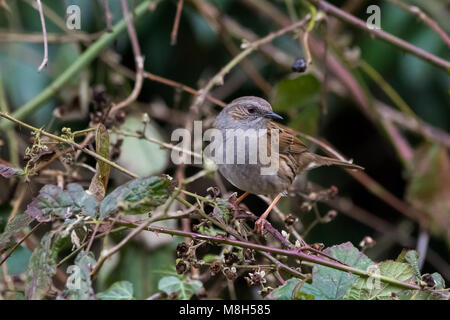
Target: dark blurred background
{"points": [[201, 50]]}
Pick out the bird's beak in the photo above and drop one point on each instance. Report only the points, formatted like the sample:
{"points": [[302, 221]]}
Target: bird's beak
{"points": [[273, 115]]}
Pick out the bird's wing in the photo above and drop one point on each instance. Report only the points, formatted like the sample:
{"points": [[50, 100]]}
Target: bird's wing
{"points": [[288, 141]]}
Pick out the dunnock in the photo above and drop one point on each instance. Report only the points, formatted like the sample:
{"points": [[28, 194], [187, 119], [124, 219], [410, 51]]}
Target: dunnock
{"points": [[292, 155]]}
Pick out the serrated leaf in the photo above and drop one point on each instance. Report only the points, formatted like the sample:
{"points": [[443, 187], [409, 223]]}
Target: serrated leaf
{"points": [[122, 290], [412, 257], [8, 172], [79, 284], [221, 211], [17, 224], [332, 284], [41, 267], [284, 292], [53, 201], [137, 196], [372, 288], [183, 288], [100, 180], [438, 280]]}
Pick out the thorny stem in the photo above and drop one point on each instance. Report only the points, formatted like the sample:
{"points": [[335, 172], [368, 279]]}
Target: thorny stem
{"points": [[284, 252]]}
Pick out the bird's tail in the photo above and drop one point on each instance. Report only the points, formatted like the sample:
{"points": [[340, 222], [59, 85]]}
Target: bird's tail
{"points": [[325, 161]]}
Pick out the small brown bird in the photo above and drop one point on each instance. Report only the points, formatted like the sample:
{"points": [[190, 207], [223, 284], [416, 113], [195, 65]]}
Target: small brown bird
{"points": [[292, 155]]}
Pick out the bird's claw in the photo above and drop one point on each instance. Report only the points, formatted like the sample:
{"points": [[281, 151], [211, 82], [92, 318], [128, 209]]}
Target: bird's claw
{"points": [[259, 226]]}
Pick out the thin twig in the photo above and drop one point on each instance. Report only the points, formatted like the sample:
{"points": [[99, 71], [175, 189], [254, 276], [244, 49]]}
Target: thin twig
{"points": [[71, 143], [425, 18], [250, 47], [383, 35], [108, 16], [176, 23], [83, 61], [20, 242], [44, 33], [139, 60], [105, 255]]}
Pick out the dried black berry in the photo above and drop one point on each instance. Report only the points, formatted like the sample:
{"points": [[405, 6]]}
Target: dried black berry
{"points": [[299, 65], [182, 249], [215, 267], [181, 267], [230, 258], [290, 220]]}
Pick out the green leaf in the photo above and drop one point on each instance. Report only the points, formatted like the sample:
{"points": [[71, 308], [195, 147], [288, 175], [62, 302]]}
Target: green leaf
{"points": [[122, 290], [221, 211], [79, 284], [293, 93], [183, 288], [285, 291], [438, 280], [137, 196], [52, 202], [420, 295], [41, 267], [372, 288], [17, 224], [8, 172], [412, 257], [332, 284]]}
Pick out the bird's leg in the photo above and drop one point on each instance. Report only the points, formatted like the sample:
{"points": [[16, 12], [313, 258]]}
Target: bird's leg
{"points": [[259, 224], [242, 197]]}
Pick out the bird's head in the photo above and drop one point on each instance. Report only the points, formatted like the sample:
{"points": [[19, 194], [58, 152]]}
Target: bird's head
{"points": [[245, 113]]}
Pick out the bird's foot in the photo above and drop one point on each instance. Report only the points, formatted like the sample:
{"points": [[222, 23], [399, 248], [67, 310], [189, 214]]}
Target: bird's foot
{"points": [[259, 226]]}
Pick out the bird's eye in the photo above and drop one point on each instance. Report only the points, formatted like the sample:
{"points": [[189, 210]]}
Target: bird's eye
{"points": [[251, 110]]}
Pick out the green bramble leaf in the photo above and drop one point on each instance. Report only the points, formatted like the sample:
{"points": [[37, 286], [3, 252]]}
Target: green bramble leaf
{"points": [[373, 289], [79, 284], [42, 267], [438, 280], [53, 201], [183, 289], [121, 290], [412, 257], [137, 196], [284, 292], [8, 172], [17, 224], [332, 284], [221, 211]]}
